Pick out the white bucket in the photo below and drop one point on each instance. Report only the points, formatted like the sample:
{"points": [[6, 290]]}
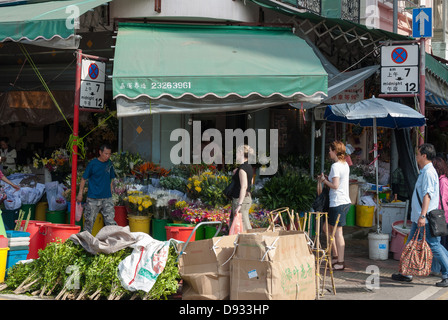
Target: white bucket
{"points": [[378, 246]]}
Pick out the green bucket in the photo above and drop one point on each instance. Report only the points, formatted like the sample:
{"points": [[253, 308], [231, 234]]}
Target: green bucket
{"points": [[9, 218], [210, 232], [26, 208], [58, 216], [158, 229], [351, 216]]}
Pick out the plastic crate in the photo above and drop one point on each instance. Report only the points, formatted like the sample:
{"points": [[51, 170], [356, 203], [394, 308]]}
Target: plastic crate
{"points": [[16, 234], [14, 257]]}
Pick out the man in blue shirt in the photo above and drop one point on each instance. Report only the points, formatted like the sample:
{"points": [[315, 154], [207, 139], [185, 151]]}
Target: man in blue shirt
{"points": [[100, 174], [427, 187]]}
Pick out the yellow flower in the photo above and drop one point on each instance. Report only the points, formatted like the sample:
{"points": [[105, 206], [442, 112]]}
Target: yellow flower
{"points": [[140, 208], [197, 183], [198, 189]]}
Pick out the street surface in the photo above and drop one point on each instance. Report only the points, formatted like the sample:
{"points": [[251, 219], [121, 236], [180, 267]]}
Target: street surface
{"points": [[366, 279], [362, 279]]}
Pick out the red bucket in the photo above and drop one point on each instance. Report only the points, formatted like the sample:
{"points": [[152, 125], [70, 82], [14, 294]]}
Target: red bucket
{"points": [[179, 233], [37, 239], [121, 216], [56, 231]]}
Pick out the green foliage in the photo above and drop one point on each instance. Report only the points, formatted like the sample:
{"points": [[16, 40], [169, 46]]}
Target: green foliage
{"points": [[289, 188], [97, 275]]}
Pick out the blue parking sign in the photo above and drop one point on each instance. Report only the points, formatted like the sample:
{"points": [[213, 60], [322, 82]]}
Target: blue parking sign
{"points": [[422, 23]]}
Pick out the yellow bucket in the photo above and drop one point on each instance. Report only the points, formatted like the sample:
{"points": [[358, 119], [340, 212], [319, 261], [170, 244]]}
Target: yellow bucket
{"points": [[41, 209], [3, 258], [98, 225], [364, 215], [139, 224]]}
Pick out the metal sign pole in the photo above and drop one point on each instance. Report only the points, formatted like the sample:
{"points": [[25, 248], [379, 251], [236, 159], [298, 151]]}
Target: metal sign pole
{"points": [[75, 135], [422, 87]]}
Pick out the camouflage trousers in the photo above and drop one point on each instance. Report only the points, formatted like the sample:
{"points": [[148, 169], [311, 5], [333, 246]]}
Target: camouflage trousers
{"points": [[93, 207]]}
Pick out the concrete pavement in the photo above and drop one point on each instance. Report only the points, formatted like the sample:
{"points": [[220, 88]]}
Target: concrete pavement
{"points": [[367, 279]]}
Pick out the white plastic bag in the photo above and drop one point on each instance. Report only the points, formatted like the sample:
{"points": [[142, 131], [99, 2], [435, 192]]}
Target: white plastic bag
{"points": [[79, 208], [139, 271], [56, 201]]}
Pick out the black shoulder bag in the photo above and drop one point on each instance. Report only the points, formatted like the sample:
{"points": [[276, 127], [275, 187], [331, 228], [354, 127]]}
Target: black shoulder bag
{"points": [[228, 191], [436, 220]]}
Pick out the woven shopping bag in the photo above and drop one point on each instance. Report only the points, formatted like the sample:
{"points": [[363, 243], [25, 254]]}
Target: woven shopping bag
{"points": [[416, 258]]}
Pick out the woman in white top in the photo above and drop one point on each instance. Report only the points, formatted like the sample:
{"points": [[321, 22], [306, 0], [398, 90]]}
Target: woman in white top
{"points": [[8, 155], [338, 182]]}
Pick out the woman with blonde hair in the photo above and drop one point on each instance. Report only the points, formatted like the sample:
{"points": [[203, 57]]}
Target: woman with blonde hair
{"points": [[338, 182], [241, 195]]}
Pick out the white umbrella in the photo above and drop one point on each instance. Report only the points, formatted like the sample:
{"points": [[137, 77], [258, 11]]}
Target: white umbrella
{"points": [[375, 112]]}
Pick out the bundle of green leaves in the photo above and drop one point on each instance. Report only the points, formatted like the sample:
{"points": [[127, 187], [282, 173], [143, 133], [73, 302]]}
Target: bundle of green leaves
{"points": [[67, 271]]}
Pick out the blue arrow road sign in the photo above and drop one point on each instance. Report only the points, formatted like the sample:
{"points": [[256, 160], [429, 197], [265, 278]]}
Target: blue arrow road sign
{"points": [[422, 23]]}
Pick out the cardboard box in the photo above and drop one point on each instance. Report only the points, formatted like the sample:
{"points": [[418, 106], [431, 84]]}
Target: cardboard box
{"points": [[273, 266], [205, 268]]}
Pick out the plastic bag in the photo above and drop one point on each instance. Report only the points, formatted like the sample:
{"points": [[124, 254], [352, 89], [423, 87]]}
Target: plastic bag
{"points": [[56, 202], [237, 225], [139, 271], [79, 208]]}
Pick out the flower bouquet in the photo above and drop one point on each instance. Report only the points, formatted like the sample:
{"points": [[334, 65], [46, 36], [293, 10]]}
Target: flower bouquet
{"points": [[208, 187], [138, 204], [175, 207], [58, 162], [119, 193], [124, 162], [258, 216]]}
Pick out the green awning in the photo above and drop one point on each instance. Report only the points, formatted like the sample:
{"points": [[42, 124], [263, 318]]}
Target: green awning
{"points": [[221, 65], [47, 23]]}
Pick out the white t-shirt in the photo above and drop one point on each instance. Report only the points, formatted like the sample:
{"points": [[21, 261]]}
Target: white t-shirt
{"points": [[340, 195]]}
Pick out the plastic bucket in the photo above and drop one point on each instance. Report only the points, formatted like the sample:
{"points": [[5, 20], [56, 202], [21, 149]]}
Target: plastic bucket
{"points": [[158, 229], [59, 231], [378, 246], [3, 258], [210, 232], [179, 232], [364, 215], [399, 237], [121, 216], [9, 218], [29, 208], [351, 216], [97, 225], [139, 224], [41, 209], [56, 216], [37, 239]]}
